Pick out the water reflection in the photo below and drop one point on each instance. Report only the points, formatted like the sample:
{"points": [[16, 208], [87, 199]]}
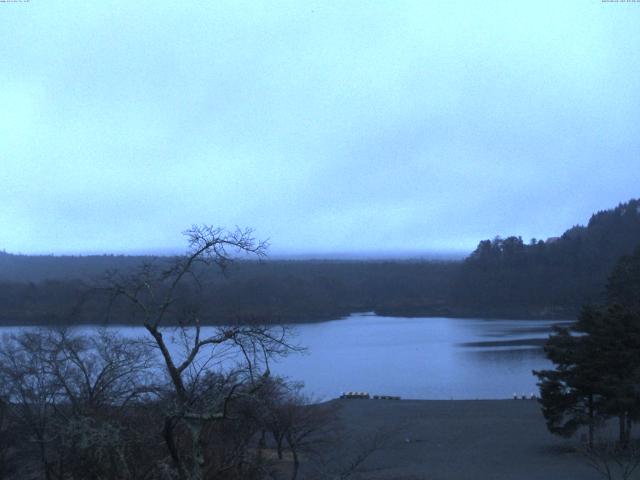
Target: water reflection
{"points": [[506, 353]]}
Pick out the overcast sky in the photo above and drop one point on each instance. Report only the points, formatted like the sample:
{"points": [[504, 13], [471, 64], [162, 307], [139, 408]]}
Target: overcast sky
{"points": [[327, 126]]}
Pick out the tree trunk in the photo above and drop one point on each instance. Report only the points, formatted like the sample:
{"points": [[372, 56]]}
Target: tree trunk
{"points": [[296, 463], [124, 465], [627, 430], [261, 444], [43, 456], [623, 434], [279, 447], [167, 433], [591, 421], [195, 427]]}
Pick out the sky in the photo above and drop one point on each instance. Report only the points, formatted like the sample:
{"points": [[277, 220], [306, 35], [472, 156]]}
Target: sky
{"points": [[329, 127]]}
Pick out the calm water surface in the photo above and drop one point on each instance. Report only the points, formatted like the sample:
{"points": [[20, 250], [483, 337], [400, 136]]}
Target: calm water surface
{"points": [[427, 358]]}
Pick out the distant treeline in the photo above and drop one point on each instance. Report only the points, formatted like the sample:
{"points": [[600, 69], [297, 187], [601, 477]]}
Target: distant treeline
{"points": [[501, 278], [288, 291]]}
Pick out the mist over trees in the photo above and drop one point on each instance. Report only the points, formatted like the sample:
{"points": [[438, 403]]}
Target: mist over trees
{"points": [[290, 291], [503, 277]]}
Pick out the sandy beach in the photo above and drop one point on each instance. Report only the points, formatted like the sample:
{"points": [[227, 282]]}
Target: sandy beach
{"points": [[461, 440]]}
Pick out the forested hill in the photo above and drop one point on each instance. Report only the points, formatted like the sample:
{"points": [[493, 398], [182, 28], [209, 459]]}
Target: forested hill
{"points": [[547, 278], [501, 278], [38, 268]]}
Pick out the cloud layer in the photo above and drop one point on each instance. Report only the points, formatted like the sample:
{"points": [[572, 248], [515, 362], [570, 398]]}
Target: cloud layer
{"points": [[327, 126]]}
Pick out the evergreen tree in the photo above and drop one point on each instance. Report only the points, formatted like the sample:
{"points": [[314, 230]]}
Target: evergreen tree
{"points": [[569, 395], [597, 361], [612, 336], [623, 287]]}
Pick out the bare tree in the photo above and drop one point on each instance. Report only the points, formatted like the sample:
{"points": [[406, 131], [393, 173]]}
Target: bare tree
{"points": [[351, 454], [613, 461], [102, 379], [102, 370], [66, 394], [32, 392], [6, 448], [302, 424], [165, 293]]}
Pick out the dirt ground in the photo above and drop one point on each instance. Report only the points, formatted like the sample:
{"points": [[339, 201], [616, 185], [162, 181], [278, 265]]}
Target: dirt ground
{"points": [[458, 440]]}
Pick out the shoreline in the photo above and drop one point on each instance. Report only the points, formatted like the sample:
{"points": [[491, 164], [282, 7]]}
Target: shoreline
{"points": [[289, 321]]}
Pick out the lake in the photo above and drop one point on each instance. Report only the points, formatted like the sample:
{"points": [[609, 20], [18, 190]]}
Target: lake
{"points": [[420, 358]]}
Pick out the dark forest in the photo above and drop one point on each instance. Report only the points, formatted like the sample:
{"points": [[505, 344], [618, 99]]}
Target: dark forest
{"points": [[503, 277]]}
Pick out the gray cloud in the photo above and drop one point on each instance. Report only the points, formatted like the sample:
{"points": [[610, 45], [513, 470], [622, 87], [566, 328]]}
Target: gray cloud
{"points": [[327, 126]]}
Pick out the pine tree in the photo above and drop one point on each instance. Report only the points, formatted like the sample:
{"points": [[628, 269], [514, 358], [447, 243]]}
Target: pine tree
{"points": [[569, 394], [597, 362], [623, 287]]}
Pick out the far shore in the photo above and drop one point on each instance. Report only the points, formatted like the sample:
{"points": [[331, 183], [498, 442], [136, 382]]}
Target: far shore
{"points": [[278, 320]]}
